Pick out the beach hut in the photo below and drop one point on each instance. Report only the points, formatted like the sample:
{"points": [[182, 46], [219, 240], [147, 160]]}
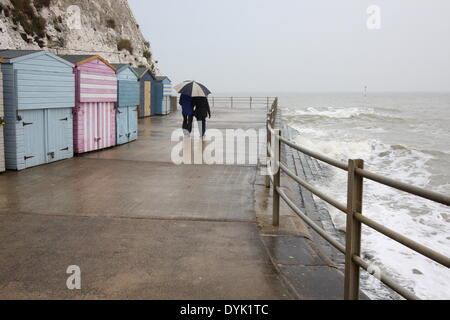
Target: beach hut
{"points": [[173, 104], [39, 96], [2, 123], [147, 82], [127, 105], [94, 124], [163, 92]]}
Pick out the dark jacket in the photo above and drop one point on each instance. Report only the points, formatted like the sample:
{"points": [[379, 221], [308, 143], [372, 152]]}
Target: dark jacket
{"points": [[202, 109], [186, 105]]}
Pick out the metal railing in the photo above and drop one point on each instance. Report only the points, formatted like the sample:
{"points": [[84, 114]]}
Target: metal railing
{"points": [[239, 102], [353, 209]]}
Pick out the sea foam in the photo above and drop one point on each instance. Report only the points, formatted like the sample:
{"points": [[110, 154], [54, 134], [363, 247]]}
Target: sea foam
{"points": [[417, 218]]}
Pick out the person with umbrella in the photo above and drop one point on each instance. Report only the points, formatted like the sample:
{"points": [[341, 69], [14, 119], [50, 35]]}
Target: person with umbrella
{"points": [[201, 112], [199, 94], [188, 113]]}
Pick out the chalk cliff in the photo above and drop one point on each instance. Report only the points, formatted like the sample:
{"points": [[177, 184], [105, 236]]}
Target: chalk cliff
{"points": [[104, 27]]}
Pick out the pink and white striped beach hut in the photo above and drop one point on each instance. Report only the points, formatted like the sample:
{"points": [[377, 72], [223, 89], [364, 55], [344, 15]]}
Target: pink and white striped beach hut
{"points": [[96, 97]]}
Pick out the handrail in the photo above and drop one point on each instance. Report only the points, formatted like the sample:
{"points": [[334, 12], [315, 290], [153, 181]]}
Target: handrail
{"points": [[316, 155], [251, 101], [387, 280], [241, 98], [353, 208], [413, 245], [310, 222], [270, 129], [310, 188], [426, 194]]}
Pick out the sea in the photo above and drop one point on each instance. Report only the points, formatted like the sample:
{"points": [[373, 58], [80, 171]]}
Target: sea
{"points": [[404, 136]]}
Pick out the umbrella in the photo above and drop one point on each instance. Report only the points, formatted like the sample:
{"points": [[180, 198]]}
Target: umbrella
{"points": [[192, 89]]}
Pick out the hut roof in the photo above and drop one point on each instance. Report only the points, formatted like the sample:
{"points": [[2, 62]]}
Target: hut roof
{"points": [[122, 66], [78, 60], [161, 78], [11, 56], [142, 71]]}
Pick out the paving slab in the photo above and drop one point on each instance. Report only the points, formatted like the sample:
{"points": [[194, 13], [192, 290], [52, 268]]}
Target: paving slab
{"points": [[115, 188], [155, 135], [315, 282], [134, 259]]}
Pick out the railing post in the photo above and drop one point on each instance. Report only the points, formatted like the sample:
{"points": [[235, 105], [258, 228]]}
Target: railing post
{"points": [[231, 102], [276, 148], [274, 112], [268, 143], [251, 101], [353, 231]]}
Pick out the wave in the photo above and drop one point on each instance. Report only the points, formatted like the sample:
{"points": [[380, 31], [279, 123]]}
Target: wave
{"points": [[417, 218], [340, 150], [396, 161], [430, 153], [436, 153], [336, 113]]}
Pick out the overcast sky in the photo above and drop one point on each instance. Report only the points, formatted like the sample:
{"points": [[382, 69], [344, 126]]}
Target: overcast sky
{"points": [[300, 45]]}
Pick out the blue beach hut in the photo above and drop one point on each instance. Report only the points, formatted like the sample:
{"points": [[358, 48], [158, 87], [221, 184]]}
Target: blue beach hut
{"points": [[128, 103], [147, 83], [2, 123], [163, 92], [39, 95]]}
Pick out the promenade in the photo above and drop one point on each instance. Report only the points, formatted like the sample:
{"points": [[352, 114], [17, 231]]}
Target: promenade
{"points": [[141, 227]]}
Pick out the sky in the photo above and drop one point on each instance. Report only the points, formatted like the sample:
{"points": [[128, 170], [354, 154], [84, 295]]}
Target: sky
{"points": [[278, 46]]}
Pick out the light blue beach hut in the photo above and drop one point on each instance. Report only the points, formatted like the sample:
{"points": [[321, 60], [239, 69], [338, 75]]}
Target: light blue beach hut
{"points": [[128, 103], [39, 94], [163, 92]]}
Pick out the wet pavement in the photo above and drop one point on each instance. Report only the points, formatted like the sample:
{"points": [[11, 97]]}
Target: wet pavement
{"points": [[141, 227]]}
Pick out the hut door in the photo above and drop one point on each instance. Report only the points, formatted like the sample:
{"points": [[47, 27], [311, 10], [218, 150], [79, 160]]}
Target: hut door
{"points": [[166, 105], [147, 98], [101, 124], [34, 137], [87, 119], [132, 123], [59, 127], [122, 125], [105, 125]]}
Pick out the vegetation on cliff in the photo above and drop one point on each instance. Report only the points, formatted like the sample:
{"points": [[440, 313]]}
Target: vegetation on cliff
{"points": [[108, 28]]}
